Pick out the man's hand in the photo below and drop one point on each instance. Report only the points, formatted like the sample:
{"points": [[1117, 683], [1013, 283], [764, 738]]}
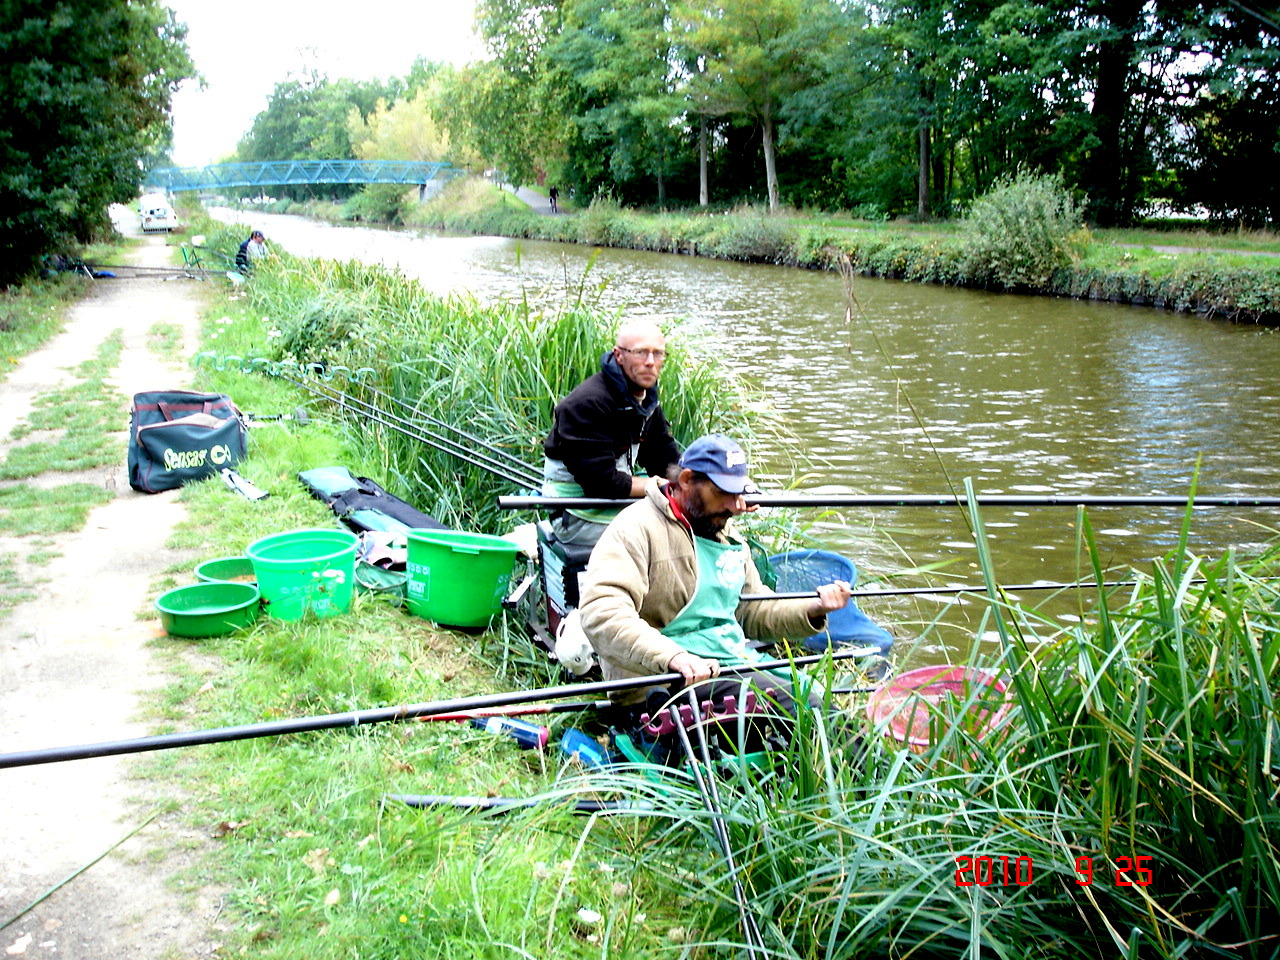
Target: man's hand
{"points": [[693, 668], [831, 597]]}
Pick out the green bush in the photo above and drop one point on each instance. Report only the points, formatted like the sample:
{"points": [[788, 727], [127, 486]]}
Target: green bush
{"points": [[379, 203], [1021, 232]]}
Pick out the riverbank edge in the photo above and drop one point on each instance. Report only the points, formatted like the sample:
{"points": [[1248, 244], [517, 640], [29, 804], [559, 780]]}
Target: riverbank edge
{"points": [[1201, 283]]}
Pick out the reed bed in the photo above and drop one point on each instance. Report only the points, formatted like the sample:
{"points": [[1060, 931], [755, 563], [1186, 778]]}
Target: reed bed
{"points": [[494, 370], [1130, 803]]}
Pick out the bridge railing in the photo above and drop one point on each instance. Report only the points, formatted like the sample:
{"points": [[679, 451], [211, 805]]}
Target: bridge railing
{"points": [[284, 172]]}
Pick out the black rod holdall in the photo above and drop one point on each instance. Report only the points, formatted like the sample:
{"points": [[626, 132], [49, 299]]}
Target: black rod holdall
{"points": [[177, 436]]}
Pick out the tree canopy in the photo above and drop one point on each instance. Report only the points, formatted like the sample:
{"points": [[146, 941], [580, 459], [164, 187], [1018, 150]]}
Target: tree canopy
{"points": [[84, 99], [891, 108]]}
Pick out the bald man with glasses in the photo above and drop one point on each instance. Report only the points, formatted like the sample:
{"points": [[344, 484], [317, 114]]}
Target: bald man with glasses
{"points": [[610, 434]]}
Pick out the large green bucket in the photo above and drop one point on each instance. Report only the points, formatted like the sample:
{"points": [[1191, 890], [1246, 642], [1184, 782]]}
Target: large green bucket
{"points": [[305, 570], [458, 579]]}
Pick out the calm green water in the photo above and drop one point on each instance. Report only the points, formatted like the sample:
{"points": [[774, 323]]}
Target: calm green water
{"points": [[928, 386]]}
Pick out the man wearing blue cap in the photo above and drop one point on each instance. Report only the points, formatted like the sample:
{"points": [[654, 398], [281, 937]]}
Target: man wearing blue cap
{"points": [[661, 592]]}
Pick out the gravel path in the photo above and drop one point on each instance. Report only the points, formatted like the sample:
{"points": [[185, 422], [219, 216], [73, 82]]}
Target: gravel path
{"points": [[74, 665]]}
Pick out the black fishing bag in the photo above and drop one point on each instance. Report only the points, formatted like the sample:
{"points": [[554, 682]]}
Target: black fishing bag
{"points": [[362, 504], [176, 436]]}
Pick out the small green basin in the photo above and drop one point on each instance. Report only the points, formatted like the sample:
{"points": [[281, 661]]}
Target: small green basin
{"points": [[208, 609], [230, 569]]}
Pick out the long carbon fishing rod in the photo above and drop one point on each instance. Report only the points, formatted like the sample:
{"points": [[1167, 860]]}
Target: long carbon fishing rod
{"points": [[359, 718], [504, 465], [416, 415], [128, 271], [513, 471], [916, 500], [499, 805], [975, 588], [710, 794]]}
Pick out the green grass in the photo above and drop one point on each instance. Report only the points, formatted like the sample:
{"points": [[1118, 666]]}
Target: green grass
{"points": [[26, 510], [165, 340], [82, 418], [12, 590], [33, 314]]}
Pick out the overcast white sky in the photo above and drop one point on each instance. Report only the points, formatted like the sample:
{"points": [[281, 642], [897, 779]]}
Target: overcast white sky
{"points": [[243, 48]]}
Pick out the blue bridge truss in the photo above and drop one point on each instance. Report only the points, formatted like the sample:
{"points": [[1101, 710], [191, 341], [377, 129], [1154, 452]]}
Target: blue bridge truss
{"points": [[275, 172]]}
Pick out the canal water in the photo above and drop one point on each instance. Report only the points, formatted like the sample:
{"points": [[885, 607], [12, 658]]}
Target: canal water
{"points": [[924, 387]]}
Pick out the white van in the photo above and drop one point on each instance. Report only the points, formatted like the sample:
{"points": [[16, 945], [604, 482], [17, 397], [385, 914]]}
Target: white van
{"points": [[156, 213]]}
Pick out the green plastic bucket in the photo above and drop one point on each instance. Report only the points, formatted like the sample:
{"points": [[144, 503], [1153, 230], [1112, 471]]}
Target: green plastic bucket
{"points": [[458, 579], [305, 570], [207, 609]]}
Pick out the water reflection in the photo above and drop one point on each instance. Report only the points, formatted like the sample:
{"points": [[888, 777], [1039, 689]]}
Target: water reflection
{"points": [[927, 386]]}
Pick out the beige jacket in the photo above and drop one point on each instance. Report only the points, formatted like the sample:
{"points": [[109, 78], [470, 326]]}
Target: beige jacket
{"points": [[643, 572]]}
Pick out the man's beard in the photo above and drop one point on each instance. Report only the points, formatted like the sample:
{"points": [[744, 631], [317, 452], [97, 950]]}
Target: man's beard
{"points": [[705, 525]]}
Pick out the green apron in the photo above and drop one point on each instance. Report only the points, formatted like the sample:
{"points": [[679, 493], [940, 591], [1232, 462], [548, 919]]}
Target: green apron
{"points": [[557, 481], [707, 625]]}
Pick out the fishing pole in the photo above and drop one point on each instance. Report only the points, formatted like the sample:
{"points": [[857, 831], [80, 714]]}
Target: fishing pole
{"points": [[417, 414], [358, 718], [512, 470], [907, 591], [914, 500], [521, 711], [512, 461], [499, 805], [132, 271], [710, 794], [505, 471]]}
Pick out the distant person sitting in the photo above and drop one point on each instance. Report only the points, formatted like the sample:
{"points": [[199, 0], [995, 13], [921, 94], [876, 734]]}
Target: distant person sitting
{"points": [[255, 248], [607, 427]]}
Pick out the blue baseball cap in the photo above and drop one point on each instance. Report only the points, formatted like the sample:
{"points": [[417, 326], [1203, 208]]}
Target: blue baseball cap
{"points": [[721, 459]]}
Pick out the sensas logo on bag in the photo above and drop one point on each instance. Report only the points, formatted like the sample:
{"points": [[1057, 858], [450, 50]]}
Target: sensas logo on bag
{"points": [[218, 454]]}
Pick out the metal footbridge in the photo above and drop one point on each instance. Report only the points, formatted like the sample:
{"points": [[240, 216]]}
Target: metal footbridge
{"points": [[218, 176]]}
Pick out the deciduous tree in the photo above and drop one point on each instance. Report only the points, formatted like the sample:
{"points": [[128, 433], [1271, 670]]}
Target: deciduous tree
{"points": [[84, 97]]}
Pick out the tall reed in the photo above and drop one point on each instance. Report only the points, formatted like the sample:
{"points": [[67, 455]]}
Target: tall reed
{"points": [[494, 370], [1152, 733]]}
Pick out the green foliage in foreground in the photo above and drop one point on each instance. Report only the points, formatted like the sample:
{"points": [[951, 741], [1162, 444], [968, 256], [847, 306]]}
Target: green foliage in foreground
{"points": [[32, 314], [74, 424], [1216, 284], [1151, 733]]}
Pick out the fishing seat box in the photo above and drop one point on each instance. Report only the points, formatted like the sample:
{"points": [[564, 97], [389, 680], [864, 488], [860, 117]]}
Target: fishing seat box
{"points": [[561, 565]]}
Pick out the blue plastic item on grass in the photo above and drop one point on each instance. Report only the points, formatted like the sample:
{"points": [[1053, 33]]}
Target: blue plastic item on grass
{"points": [[801, 570], [586, 750]]}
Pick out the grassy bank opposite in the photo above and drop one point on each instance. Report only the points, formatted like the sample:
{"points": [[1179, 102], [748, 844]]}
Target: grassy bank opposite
{"points": [[1191, 272]]}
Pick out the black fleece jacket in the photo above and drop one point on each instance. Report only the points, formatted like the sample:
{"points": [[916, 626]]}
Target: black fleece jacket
{"points": [[599, 421]]}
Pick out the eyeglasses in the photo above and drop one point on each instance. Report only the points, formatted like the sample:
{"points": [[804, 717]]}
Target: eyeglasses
{"points": [[641, 354]]}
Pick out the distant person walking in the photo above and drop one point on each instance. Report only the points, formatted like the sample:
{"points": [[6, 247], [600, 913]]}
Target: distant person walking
{"points": [[554, 196], [255, 248]]}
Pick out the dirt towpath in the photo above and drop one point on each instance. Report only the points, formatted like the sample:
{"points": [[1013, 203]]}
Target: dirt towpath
{"points": [[74, 664]]}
